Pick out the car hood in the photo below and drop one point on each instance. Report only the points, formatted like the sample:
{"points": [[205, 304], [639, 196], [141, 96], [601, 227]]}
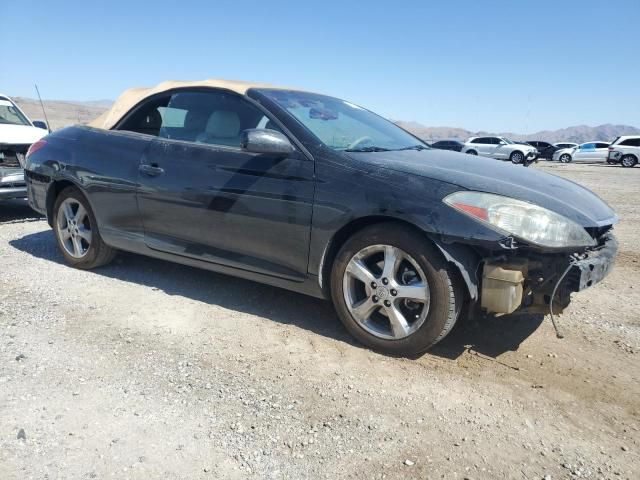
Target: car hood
{"points": [[567, 150], [20, 134], [471, 172]]}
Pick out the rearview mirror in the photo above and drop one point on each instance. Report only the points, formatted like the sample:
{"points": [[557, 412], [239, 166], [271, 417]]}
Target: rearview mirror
{"points": [[259, 140], [322, 114], [40, 124]]}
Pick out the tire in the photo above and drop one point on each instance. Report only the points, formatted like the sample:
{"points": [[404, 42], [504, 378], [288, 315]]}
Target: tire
{"points": [[565, 158], [471, 152], [426, 322], [628, 161], [517, 157], [76, 231]]}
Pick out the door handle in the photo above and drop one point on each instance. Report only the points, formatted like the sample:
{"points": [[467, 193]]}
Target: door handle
{"points": [[152, 170]]}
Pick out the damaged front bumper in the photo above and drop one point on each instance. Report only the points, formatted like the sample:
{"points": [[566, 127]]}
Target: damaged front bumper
{"points": [[534, 282], [522, 280], [12, 183]]}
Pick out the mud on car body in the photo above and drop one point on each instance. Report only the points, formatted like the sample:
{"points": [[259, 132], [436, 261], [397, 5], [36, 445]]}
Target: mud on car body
{"points": [[320, 196]]}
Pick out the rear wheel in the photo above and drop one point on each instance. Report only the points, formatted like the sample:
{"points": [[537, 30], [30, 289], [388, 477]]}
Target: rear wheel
{"points": [[628, 161], [393, 290], [472, 152], [76, 231], [565, 158], [517, 157]]}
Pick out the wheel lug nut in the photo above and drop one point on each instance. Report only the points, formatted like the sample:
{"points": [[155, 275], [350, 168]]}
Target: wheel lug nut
{"points": [[394, 292], [374, 298], [387, 303], [385, 281], [374, 285]]}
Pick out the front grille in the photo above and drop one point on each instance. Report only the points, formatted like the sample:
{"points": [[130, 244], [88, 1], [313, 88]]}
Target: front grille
{"points": [[9, 154], [12, 185]]}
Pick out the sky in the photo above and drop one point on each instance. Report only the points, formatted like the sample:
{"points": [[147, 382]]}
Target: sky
{"points": [[512, 65]]}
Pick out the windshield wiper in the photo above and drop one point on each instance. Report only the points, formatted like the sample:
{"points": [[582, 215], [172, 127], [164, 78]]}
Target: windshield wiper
{"points": [[367, 149], [414, 147]]}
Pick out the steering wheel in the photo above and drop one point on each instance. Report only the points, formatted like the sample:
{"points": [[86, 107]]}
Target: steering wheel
{"points": [[357, 142]]}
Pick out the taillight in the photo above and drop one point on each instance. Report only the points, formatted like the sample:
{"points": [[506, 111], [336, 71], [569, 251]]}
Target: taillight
{"points": [[35, 147]]}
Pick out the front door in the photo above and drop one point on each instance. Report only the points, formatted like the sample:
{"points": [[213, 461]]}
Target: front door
{"points": [[202, 196]]}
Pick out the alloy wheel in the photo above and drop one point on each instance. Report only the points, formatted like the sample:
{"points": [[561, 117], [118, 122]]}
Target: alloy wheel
{"points": [[517, 158], [565, 158], [74, 228], [628, 161], [386, 292]]}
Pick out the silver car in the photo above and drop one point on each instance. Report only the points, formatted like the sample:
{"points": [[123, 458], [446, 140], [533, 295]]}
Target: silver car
{"points": [[585, 152], [500, 148]]}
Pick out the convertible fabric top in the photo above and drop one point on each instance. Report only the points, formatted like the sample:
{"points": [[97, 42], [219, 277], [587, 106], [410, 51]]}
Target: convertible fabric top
{"points": [[130, 98]]}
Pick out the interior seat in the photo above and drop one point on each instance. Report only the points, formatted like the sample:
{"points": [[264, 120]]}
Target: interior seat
{"points": [[223, 128], [150, 123]]}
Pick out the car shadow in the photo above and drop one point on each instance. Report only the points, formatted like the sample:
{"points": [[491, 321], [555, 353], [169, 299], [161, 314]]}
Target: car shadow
{"points": [[17, 211], [489, 336]]}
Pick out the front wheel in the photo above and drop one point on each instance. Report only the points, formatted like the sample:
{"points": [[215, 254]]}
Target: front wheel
{"points": [[393, 290], [472, 152], [517, 158], [76, 231], [628, 161], [565, 158]]}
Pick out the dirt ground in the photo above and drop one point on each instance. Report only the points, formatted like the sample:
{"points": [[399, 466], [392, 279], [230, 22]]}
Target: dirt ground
{"points": [[146, 369]]}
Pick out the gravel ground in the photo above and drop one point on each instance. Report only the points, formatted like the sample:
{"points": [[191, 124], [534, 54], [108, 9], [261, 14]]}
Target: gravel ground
{"points": [[146, 369]]}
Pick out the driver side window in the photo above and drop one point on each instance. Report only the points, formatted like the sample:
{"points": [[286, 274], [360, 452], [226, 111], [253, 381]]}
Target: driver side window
{"points": [[210, 117]]}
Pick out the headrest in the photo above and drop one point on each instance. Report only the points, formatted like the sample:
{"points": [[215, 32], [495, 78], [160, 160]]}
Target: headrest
{"points": [[223, 124]]}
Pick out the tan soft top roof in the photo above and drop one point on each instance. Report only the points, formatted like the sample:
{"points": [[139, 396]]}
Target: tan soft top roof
{"points": [[130, 98]]}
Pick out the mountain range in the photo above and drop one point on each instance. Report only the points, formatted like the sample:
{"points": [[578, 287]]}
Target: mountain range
{"points": [[63, 113], [577, 134]]}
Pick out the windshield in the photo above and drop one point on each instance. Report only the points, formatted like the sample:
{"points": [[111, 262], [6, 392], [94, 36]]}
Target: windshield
{"points": [[342, 125], [9, 114]]}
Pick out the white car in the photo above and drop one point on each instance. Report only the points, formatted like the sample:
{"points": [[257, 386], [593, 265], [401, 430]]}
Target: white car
{"points": [[585, 152], [500, 148], [17, 133], [565, 145], [625, 150]]}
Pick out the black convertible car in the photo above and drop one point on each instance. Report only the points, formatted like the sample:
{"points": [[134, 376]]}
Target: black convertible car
{"points": [[318, 195]]}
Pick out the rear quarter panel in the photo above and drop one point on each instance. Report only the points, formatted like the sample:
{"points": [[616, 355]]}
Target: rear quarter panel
{"points": [[104, 166]]}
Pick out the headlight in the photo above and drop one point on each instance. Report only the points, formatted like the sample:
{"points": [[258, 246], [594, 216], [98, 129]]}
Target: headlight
{"points": [[527, 221]]}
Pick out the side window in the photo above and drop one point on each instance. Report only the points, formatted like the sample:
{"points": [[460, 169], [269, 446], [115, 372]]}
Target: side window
{"points": [[147, 118], [631, 142], [602, 145], [493, 141], [211, 117], [483, 140]]}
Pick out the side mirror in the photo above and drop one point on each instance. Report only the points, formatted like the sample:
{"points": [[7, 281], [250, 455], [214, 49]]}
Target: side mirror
{"points": [[40, 124], [258, 140]]}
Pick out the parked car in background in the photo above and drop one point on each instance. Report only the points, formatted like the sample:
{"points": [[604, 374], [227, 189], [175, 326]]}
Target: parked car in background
{"points": [[561, 145], [17, 133], [453, 145], [315, 194], [500, 148], [585, 152], [625, 150], [545, 149]]}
